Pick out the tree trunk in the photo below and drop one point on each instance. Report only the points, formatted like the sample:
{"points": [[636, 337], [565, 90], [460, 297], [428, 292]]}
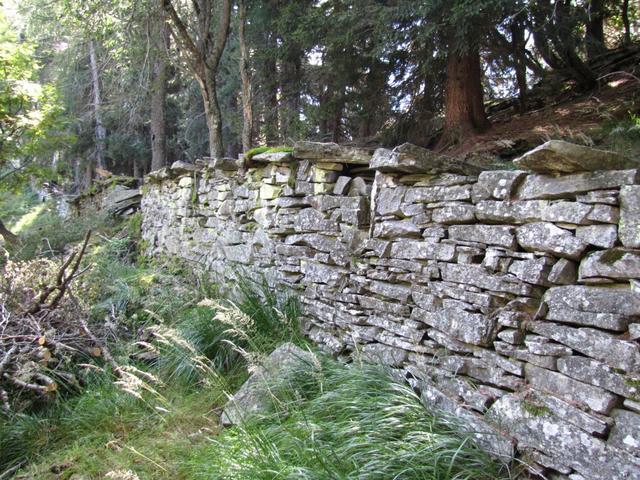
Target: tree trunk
{"points": [[158, 99], [208, 91], [8, 236], [100, 131], [626, 22], [245, 75], [518, 45], [271, 128], [595, 29], [464, 106]]}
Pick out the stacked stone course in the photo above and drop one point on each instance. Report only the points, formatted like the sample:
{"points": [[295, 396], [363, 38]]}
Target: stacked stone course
{"points": [[507, 298]]}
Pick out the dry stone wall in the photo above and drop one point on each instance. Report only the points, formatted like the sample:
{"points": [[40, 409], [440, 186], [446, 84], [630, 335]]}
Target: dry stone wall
{"points": [[507, 298]]}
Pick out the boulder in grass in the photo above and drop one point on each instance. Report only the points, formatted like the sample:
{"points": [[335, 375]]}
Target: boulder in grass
{"points": [[254, 396], [558, 156]]}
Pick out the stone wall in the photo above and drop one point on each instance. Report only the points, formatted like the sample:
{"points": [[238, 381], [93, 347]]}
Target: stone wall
{"points": [[507, 298]]}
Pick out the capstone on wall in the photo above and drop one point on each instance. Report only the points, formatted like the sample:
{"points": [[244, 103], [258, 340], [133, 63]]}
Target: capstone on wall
{"points": [[507, 298]]}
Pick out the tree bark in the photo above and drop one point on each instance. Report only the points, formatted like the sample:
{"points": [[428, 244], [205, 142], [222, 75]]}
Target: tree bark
{"points": [[595, 29], [245, 75], [100, 130], [520, 61], [8, 236], [464, 106], [203, 52], [626, 22], [159, 97]]}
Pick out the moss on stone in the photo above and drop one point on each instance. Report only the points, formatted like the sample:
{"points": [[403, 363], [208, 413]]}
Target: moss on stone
{"points": [[611, 256]]}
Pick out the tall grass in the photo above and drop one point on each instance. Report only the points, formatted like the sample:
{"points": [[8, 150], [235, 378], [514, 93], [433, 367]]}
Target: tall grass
{"points": [[344, 422]]}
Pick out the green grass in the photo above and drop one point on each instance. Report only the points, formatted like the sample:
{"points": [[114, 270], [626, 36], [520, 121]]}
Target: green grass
{"points": [[344, 422]]}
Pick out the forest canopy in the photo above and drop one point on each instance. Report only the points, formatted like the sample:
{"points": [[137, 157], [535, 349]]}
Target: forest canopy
{"points": [[128, 86]]}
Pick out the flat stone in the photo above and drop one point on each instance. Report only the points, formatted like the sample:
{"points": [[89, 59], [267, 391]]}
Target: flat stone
{"points": [[422, 250], [527, 211], [502, 236], [595, 425], [408, 158], [546, 237], [311, 220], [610, 308], [499, 185], [534, 271], [604, 236], [478, 276], [625, 433], [273, 157], [550, 187], [621, 354], [558, 156], [539, 429], [332, 152], [473, 328], [629, 227], [438, 194], [595, 398], [253, 397], [320, 273], [615, 264], [396, 228], [563, 272], [597, 373], [454, 213], [384, 354]]}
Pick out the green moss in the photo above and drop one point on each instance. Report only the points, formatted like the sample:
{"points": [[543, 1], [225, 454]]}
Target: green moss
{"points": [[535, 410], [612, 256]]}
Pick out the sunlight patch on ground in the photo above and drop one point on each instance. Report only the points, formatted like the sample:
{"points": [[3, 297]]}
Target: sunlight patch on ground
{"points": [[28, 218]]}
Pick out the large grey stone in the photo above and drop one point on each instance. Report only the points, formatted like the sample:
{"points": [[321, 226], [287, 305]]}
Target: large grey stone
{"points": [[558, 156], [629, 227], [312, 220], [473, 328], [273, 157], [488, 438], [422, 250], [502, 236], [331, 152], [615, 264], [396, 228], [408, 158], [595, 398], [626, 431], [254, 395], [608, 308], [497, 184], [525, 211], [438, 194], [534, 427], [604, 236], [549, 187], [597, 373], [546, 237], [478, 276], [615, 352], [454, 212]]}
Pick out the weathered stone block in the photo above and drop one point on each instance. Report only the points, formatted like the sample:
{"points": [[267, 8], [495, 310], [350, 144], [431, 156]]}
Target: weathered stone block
{"points": [[331, 152], [499, 185], [615, 264], [617, 353], [454, 213], [408, 158], [630, 216], [604, 236], [563, 272], [489, 234], [601, 375], [438, 194], [626, 432], [478, 276], [549, 187], [396, 229], [422, 250], [558, 156], [546, 237], [473, 328]]}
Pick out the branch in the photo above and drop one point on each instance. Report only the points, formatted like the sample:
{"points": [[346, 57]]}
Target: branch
{"points": [[180, 33], [222, 34]]}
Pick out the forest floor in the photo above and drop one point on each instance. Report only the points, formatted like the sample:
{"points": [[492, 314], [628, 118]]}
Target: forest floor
{"points": [[602, 117]]}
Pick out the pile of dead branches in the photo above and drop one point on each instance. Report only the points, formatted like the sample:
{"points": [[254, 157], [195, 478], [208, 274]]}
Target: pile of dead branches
{"points": [[45, 342]]}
